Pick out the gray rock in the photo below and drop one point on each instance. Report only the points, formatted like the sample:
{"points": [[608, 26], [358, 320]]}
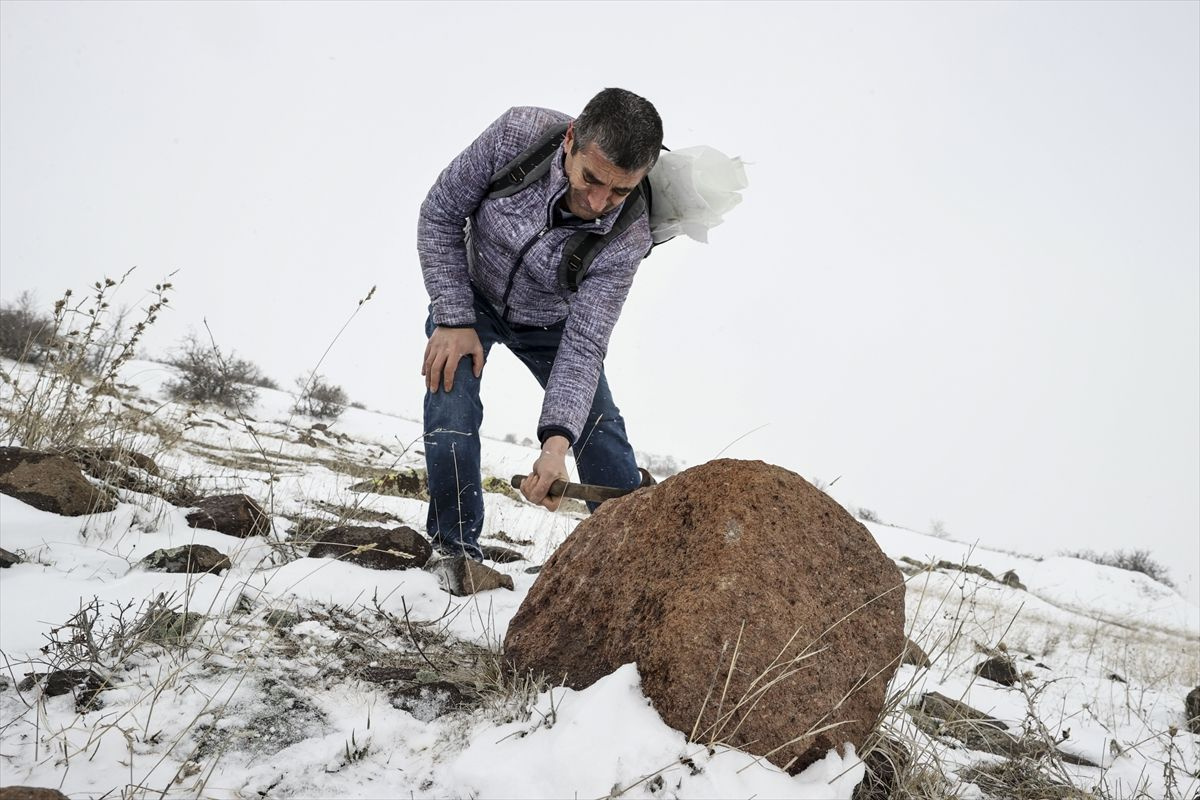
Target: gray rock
{"points": [[461, 576], [373, 547], [7, 559], [941, 707], [189, 558], [50, 483]]}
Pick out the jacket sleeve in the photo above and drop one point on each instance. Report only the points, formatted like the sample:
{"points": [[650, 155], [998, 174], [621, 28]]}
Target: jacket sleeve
{"points": [[441, 241], [594, 311]]}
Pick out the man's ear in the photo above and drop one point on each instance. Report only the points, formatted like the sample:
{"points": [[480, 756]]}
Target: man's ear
{"points": [[569, 142]]}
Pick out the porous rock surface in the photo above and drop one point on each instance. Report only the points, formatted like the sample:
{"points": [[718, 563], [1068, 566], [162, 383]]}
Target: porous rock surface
{"points": [[733, 571], [50, 483], [30, 793]]}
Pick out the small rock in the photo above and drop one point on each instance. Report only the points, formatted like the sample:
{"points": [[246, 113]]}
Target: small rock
{"points": [[232, 514], [7, 559], [169, 627], [461, 576], [1112, 676], [914, 655], [30, 793], [190, 558], [939, 706], [50, 483], [1010, 579], [122, 456], [501, 555], [1000, 670], [429, 701], [1191, 707], [279, 618], [373, 547], [83, 683]]}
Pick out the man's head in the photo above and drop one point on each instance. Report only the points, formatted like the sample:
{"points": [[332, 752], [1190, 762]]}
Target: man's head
{"points": [[609, 149]]}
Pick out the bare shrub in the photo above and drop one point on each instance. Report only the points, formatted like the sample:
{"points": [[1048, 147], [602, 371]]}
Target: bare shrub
{"points": [[1132, 560], [205, 376], [319, 398], [659, 465], [80, 353], [867, 515], [25, 335]]}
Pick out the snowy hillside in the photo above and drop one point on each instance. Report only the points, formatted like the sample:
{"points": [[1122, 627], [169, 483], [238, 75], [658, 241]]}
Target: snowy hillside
{"points": [[288, 676]]}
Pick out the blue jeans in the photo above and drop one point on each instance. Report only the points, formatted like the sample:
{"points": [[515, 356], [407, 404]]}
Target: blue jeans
{"points": [[452, 419]]}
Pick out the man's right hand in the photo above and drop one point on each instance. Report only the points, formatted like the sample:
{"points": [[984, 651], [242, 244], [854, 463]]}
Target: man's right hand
{"points": [[445, 348]]}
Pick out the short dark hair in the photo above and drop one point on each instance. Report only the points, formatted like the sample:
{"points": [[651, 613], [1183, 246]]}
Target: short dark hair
{"points": [[625, 127]]}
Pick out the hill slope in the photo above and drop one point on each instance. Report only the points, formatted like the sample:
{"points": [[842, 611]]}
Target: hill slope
{"points": [[290, 676]]}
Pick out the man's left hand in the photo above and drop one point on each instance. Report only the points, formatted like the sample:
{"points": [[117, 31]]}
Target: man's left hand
{"points": [[550, 466]]}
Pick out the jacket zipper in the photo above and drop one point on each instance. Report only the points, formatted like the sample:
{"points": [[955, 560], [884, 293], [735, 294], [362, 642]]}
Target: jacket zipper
{"points": [[512, 276]]}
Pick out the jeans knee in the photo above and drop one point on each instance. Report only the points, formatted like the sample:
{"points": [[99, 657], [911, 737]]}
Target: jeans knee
{"points": [[456, 410]]}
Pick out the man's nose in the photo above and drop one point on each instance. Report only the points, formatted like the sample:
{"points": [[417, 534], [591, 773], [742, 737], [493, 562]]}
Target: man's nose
{"points": [[597, 198]]}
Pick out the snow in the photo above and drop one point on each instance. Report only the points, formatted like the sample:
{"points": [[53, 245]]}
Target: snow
{"points": [[263, 705]]}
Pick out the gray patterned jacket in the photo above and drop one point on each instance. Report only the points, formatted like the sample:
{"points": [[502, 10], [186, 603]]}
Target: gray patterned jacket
{"points": [[526, 292]]}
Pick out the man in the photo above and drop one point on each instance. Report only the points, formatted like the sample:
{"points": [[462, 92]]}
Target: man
{"points": [[498, 281]]}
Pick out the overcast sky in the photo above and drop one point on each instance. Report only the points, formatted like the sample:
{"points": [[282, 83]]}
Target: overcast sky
{"points": [[965, 277]]}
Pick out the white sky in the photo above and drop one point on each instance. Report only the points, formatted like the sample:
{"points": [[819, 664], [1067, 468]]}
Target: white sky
{"points": [[965, 278]]}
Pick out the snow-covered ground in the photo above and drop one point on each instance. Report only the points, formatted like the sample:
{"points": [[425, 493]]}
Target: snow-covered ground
{"points": [[271, 693]]}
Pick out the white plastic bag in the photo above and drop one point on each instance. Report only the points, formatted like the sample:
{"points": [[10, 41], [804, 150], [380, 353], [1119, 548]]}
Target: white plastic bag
{"points": [[693, 189]]}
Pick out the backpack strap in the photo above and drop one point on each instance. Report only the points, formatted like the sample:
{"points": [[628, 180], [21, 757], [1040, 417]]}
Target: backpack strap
{"points": [[529, 166], [581, 249]]}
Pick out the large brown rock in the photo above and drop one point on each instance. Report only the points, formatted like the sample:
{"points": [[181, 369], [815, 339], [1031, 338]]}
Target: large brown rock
{"points": [[1191, 708], [50, 483], [234, 514], [759, 612]]}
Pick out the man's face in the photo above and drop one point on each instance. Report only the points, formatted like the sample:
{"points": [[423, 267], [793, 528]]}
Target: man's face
{"points": [[597, 186]]}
